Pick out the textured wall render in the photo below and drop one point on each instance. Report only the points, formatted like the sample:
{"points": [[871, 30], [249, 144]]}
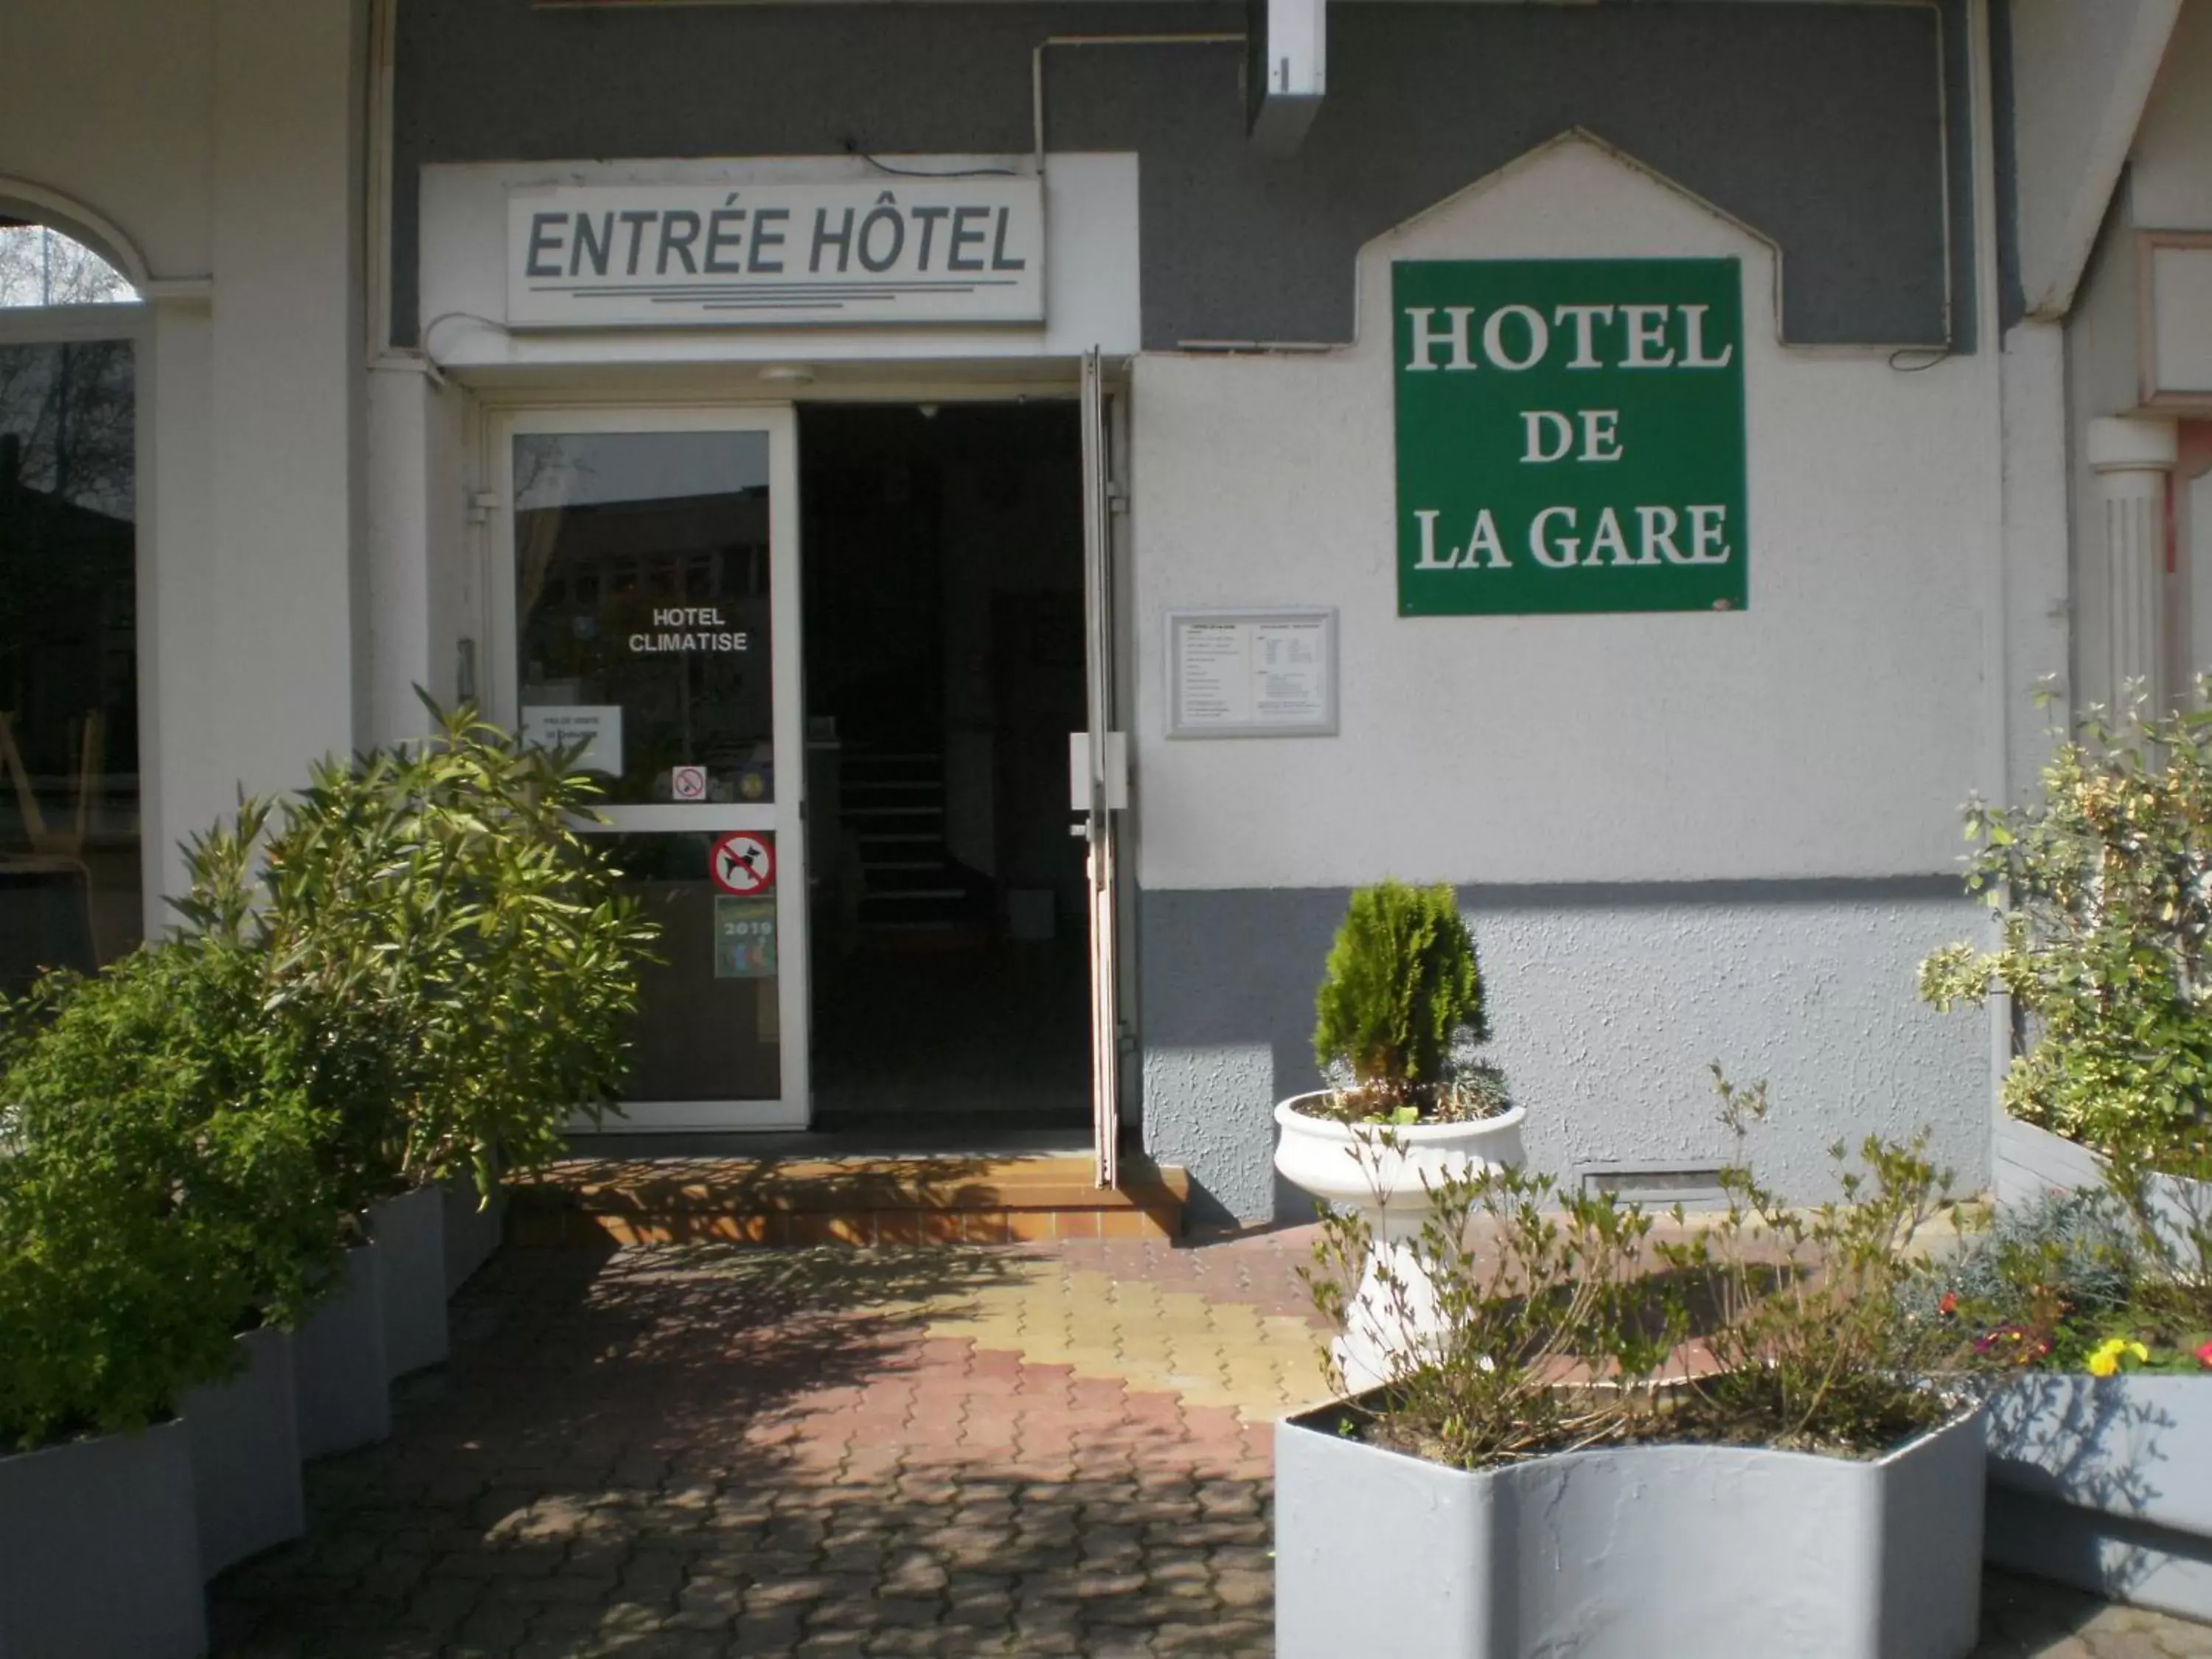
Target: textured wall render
{"points": [[1607, 1004], [1749, 105]]}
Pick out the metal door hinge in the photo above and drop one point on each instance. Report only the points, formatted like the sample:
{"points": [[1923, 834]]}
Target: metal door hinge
{"points": [[483, 503], [1117, 496]]}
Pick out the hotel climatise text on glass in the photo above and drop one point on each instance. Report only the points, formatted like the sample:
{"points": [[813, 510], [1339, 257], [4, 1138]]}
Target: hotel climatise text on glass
{"points": [[1570, 436]]}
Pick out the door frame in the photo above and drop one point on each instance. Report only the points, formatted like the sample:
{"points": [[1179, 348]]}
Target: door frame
{"points": [[500, 680], [662, 398]]}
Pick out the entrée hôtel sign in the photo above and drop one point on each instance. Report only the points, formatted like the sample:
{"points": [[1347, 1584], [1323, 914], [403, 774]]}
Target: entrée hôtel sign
{"points": [[1570, 436], [949, 250]]}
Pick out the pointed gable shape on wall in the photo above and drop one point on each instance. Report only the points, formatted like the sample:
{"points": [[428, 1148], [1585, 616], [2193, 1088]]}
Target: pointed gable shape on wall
{"points": [[1575, 196]]}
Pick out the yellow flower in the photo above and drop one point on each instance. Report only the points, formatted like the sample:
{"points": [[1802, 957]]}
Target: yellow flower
{"points": [[2106, 1360]]}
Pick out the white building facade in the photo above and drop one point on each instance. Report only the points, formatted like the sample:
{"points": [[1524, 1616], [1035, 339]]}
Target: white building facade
{"points": [[893, 392]]}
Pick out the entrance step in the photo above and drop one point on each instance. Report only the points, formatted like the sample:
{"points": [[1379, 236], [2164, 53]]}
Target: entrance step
{"points": [[930, 1199]]}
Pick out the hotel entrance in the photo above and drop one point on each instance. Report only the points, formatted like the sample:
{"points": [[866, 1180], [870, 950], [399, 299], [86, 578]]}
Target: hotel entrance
{"points": [[945, 671], [838, 670]]}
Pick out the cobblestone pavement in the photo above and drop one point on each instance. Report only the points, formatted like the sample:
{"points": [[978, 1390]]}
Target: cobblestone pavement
{"points": [[715, 1451]]}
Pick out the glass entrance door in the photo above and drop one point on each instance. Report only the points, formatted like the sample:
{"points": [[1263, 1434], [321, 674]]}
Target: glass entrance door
{"points": [[649, 602]]}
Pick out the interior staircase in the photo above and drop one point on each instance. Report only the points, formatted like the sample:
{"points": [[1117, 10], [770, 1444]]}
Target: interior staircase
{"points": [[894, 802]]}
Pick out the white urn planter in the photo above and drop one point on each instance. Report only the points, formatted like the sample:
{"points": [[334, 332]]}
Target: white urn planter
{"points": [[1628, 1551], [99, 1552], [1385, 1174]]}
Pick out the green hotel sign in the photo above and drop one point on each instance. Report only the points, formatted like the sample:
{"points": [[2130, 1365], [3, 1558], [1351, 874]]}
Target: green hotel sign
{"points": [[1569, 435]]}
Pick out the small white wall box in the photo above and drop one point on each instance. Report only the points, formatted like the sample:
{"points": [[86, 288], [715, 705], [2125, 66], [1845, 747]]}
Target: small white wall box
{"points": [[1287, 71]]}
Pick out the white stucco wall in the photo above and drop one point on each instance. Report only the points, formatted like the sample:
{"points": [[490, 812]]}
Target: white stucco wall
{"points": [[222, 142], [2167, 187], [1829, 730], [2101, 378], [111, 102], [2170, 174], [2080, 73]]}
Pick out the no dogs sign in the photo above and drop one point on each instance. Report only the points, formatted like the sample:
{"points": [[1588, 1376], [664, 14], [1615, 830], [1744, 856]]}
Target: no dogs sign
{"points": [[743, 864]]}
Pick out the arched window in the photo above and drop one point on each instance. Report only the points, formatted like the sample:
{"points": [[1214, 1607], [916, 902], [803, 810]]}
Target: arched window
{"points": [[71, 885], [42, 266]]}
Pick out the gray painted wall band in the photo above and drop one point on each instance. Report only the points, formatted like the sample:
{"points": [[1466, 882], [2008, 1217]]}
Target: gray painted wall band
{"points": [[1818, 125], [1608, 1002]]}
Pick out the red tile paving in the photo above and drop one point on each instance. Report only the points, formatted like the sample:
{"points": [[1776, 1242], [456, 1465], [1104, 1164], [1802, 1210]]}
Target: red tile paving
{"points": [[719, 1451]]}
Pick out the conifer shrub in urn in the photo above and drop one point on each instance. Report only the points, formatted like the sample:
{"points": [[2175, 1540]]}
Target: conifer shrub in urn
{"points": [[1400, 1018]]}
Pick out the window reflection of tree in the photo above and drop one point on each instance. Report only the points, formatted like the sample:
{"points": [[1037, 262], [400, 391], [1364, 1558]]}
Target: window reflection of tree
{"points": [[609, 567], [69, 700], [41, 266], [547, 470]]}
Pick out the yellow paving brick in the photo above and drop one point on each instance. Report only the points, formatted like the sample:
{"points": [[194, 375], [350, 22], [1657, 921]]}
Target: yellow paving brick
{"points": [[1211, 1353]]}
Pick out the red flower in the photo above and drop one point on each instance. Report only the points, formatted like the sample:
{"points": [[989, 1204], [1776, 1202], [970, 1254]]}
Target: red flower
{"points": [[1949, 1305], [2204, 1356]]}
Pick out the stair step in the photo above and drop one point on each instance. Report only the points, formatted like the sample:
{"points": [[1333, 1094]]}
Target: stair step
{"points": [[907, 1199]]}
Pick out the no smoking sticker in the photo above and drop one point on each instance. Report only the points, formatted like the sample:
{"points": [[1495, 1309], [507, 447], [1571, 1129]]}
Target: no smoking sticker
{"points": [[688, 782], [743, 864]]}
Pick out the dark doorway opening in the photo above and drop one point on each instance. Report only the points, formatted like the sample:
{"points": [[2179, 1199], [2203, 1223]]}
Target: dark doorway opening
{"points": [[942, 554]]}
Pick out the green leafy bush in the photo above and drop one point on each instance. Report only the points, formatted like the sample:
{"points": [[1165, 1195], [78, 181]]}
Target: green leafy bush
{"points": [[1400, 1000], [434, 926], [1568, 1320], [163, 1186], [2050, 1284], [413, 967], [1808, 1327], [2103, 889], [1531, 1282]]}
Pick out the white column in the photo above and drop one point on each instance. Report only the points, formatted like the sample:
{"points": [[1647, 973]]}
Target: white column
{"points": [[285, 406], [395, 559], [2132, 459], [176, 586]]}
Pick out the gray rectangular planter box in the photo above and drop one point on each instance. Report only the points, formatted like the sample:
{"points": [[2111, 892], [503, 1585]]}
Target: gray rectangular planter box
{"points": [[1623, 1552], [2031, 1161], [409, 1232], [473, 1233], [245, 1454], [2106, 1483], [99, 1556], [341, 1383]]}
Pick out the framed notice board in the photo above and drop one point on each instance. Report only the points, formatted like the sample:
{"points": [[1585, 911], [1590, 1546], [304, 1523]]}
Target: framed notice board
{"points": [[1251, 673]]}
